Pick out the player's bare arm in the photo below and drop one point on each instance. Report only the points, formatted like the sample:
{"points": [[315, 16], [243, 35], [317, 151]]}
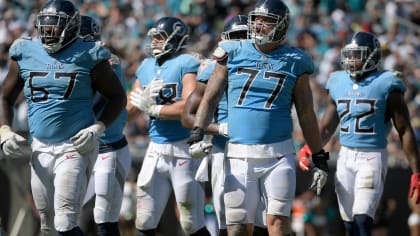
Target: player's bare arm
{"points": [[191, 105], [11, 88], [133, 111], [174, 111], [106, 82], [212, 95], [302, 96], [190, 109], [401, 120], [329, 121]]}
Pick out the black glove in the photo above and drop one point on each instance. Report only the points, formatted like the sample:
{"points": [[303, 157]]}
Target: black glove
{"points": [[320, 160], [197, 135]]}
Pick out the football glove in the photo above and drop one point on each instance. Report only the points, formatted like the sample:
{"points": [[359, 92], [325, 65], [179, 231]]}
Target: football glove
{"points": [[154, 88], [320, 171], [145, 100], [415, 186], [198, 147], [196, 135], [304, 153], [86, 139], [223, 129], [11, 142]]}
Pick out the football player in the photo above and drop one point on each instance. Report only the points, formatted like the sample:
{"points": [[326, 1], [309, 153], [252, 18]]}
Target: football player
{"points": [[58, 73], [114, 159], [364, 102], [265, 77], [164, 82], [235, 29]]}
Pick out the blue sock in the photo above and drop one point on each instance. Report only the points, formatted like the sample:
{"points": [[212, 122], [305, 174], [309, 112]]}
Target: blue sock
{"points": [[363, 225], [73, 232], [108, 229], [349, 227], [149, 232]]}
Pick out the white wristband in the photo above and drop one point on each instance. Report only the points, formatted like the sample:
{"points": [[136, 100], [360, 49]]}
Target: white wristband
{"points": [[154, 110], [223, 129], [99, 126]]}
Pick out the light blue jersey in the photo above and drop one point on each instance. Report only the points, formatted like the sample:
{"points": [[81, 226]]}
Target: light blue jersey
{"points": [[113, 132], [260, 91], [206, 69], [361, 107], [58, 86], [171, 72]]}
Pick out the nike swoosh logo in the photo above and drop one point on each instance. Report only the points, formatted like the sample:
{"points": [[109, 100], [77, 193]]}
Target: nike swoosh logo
{"points": [[104, 157], [370, 158], [70, 156], [182, 163], [280, 157]]}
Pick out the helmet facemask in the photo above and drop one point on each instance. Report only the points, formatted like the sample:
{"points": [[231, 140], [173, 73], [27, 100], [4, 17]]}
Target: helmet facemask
{"points": [[236, 33], [277, 23], [56, 30], [168, 44], [357, 60]]}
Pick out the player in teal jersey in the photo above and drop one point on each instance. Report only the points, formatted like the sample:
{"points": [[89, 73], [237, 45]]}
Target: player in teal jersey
{"points": [[58, 73], [235, 29], [363, 100], [163, 85], [114, 159], [265, 77]]}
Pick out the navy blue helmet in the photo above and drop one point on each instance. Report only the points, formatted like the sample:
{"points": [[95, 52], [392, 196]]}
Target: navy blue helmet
{"points": [[58, 24], [174, 32], [236, 28], [361, 54], [279, 16], [90, 28]]}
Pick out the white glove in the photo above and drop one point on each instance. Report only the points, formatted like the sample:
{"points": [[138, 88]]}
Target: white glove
{"points": [[154, 110], [200, 149], [154, 87], [319, 179], [145, 100], [86, 139], [11, 142], [139, 99], [223, 129]]}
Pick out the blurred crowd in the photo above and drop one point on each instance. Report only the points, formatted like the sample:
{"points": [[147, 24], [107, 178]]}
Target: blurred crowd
{"points": [[321, 27]]}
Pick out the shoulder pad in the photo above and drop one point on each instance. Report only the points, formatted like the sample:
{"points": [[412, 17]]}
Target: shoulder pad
{"points": [[219, 54]]}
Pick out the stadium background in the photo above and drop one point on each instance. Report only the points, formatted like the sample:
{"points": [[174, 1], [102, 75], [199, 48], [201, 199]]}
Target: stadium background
{"points": [[320, 27]]}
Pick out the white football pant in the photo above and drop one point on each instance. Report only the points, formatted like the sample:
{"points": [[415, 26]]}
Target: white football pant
{"points": [[248, 180], [217, 183], [168, 167], [110, 171], [59, 176], [359, 181]]}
